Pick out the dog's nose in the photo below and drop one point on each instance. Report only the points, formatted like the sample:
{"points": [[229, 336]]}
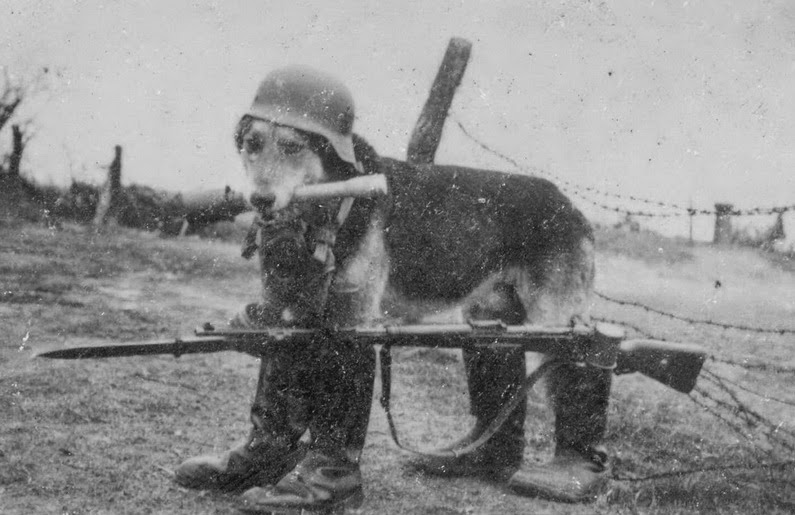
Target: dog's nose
{"points": [[262, 203]]}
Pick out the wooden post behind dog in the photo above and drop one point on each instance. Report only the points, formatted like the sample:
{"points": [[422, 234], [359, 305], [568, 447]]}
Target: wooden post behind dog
{"points": [[428, 130], [110, 192]]}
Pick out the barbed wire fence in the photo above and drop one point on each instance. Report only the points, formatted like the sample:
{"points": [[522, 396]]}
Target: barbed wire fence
{"points": [[719, 396], [691, 320], [576, 190], [716, 394]]}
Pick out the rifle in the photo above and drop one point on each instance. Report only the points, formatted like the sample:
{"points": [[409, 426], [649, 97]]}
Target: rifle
{"points": [[675, 365]]}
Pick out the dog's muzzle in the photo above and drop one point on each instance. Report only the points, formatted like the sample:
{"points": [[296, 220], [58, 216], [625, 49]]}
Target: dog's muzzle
{"points": [[262, 203]]}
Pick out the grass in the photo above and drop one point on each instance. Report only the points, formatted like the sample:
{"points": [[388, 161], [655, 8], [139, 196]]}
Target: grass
{"points": [[646, 246], [102, 436]]}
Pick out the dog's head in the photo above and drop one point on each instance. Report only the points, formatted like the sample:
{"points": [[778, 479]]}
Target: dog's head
{"points": [[298, 131], [277, 159]]}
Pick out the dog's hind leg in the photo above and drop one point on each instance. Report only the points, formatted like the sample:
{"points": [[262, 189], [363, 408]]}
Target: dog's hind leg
{"points": [[579, 393], [557, 291], [493, 377]]}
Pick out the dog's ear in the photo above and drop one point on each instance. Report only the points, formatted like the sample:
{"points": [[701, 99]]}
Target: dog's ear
{"points": [[365, 154], [243, 126], [338, 170], [334, 167]]}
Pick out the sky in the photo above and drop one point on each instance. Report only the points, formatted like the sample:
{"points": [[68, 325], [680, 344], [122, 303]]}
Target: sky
{"points": [[685, 102]]}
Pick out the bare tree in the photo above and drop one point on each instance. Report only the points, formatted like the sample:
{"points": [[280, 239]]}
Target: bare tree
{"points": [[13, 94], [20, 136]]}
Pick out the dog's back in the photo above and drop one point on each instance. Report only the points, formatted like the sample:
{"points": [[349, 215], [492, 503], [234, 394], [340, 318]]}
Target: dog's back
{"points": [[450, 230]]}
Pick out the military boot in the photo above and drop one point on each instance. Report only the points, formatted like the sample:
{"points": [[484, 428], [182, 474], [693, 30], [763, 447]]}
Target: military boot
{"points": [[578, 471], [328, 479], [279, 417], [239, 468], [493, 377]]}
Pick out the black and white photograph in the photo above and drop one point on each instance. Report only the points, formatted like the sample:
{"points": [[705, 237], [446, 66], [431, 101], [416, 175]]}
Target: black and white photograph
{"points": [[407, 257]]}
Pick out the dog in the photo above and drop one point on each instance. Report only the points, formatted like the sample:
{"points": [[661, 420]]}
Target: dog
{"points": [[445, 242], [467, 243]]}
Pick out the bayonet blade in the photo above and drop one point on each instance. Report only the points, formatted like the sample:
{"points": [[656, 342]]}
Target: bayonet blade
{"points": [[177, 347]]}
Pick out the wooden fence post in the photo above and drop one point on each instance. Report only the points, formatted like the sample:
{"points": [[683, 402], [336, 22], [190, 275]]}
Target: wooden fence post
{"points": [[777, 231], [428, 131], [17, 147], [723, 223], [111, 191]]}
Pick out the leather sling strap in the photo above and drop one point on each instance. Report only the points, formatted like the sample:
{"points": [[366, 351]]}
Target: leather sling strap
{"points": [[385, 358]]}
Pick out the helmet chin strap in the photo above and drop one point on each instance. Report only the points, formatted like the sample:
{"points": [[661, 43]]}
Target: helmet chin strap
{"points": [[326, 236]]}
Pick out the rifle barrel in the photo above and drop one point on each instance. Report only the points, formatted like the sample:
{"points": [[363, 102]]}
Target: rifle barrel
{"points": [[531, 338], [675, 365]]}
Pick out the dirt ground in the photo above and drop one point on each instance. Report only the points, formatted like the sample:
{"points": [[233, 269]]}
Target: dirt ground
{"points": [[103, 436]]}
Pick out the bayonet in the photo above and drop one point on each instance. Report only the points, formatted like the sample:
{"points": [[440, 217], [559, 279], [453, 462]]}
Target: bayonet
{"points": [[676, 365]]}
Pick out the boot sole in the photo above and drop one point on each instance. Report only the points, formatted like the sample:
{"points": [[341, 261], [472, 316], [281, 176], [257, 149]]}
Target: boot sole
{"points": [[339, 507], [226, 482], [218, 482]]}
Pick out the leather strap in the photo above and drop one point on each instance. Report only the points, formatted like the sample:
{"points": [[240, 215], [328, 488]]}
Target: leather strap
{"points": [[385, 357], [327, 236]]}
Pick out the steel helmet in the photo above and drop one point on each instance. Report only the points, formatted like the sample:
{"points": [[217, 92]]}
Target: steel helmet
{"points": [[309, 100]]}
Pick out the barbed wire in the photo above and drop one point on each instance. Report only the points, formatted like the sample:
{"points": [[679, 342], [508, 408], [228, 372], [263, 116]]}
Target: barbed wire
{"points": [[566, 185], [748, 363], [630, 325], [737, 416], [714, 412], [753, 392], [628, 212], [717, 395], [576, 189], [774, 433], [761, 211], [745, 362], [724, 403], [754, 364], [687, 472], [738, 409], [730, 410], [690, 320], [727, 414], [715, 377]]}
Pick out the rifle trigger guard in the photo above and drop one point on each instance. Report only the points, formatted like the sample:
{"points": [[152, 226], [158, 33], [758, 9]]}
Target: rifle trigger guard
{"points": [[603, 346]]}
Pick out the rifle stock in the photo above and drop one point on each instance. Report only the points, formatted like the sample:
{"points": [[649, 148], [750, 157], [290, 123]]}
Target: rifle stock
{"points": [[673, 364], [676, 365]]}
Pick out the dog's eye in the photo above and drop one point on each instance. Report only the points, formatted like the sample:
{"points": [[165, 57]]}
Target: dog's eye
{"points": [[253, 145], [290, 147]]}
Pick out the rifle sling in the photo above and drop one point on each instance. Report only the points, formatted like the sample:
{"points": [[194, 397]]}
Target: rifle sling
{"points": [[385, 358]]}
